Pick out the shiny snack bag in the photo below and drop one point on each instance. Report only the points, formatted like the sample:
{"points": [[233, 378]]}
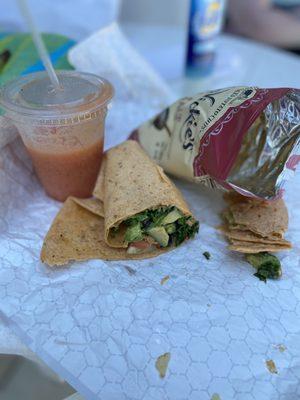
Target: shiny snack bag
{"points": [[241, 138]]}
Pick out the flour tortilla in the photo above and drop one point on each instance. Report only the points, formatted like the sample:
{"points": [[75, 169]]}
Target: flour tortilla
{"points": [[134, 183], [92, 204], [99, 187], [77, 234]]}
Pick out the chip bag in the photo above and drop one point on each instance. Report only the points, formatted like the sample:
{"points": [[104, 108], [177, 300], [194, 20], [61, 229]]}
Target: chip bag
{"points": [[241, 138]]}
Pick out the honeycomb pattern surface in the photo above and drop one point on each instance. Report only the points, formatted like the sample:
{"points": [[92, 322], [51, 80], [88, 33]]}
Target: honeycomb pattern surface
{"points": [[102, 325]]}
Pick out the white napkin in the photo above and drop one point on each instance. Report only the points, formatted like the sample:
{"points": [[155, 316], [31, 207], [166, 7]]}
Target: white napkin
{"points": [[139, 92]]}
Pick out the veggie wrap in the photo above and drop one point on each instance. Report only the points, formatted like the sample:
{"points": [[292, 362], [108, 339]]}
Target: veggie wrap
{"points": [[136, 212], [144, 210]]}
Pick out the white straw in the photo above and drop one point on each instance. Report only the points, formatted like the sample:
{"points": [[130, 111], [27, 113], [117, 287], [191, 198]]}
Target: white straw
{"points": [[39, 44]]}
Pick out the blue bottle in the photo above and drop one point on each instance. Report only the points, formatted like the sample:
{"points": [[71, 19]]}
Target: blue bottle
{"points": [[206, 17]]}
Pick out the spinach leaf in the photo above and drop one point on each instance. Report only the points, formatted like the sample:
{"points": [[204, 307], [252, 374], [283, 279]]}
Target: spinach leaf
{"points": [[181, 229], [186, 228], [134, 233]]}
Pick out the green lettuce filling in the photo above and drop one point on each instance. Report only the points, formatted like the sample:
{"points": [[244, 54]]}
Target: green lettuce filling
{"points": [[165, 225]]}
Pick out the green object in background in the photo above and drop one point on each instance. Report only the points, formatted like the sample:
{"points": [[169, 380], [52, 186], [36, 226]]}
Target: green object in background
{"points": [[4, 57], [24, 58]]}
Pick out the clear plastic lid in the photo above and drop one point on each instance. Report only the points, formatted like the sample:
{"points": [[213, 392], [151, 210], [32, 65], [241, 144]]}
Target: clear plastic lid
{"points": [[33, 95]]}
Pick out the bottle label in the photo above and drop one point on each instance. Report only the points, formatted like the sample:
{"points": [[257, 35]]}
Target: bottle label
{"points": [[206, 19]]}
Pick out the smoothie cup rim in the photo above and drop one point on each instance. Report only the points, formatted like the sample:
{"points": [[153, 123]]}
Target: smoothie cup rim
{"points": [[16, 111]]}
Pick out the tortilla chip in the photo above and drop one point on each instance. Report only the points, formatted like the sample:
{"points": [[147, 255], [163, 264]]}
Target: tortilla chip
{"points": [[244, 228], [232, 226], [134, 183], [262, 219], [77, 234], [248, 236], [254, 226], [248, 247]]}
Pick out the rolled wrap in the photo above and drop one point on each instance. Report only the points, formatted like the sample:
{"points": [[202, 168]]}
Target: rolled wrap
{"points": [[133, 183], [128, 183]]}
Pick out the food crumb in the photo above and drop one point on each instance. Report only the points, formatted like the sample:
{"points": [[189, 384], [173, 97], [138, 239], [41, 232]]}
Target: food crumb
{"points": [[280, 347], [271, 366], [130, 270], [207, 255], [215, 396], [162, 363], [164, 279]]}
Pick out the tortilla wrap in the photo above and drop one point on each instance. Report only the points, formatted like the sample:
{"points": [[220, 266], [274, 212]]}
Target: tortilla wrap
{"points": [[129, 183], [92, 204], [99, 187], [77, 234], [134, 183]]}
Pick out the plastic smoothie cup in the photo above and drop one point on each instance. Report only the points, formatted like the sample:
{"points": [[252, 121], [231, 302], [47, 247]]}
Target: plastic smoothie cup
{"points": [[62, 130]]}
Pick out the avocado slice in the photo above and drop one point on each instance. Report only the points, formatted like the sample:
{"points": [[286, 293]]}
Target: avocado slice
{"points": [[171, 217], [134, 233], [160, 235], [170, 228]]}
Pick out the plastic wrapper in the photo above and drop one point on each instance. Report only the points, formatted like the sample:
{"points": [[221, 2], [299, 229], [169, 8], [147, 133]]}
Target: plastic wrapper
{"points": [[240, 138], [175, 327]]}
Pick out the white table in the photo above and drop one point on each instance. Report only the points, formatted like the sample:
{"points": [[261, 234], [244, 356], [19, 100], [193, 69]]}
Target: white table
{"points": [[244, 62], [239, 62]]}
